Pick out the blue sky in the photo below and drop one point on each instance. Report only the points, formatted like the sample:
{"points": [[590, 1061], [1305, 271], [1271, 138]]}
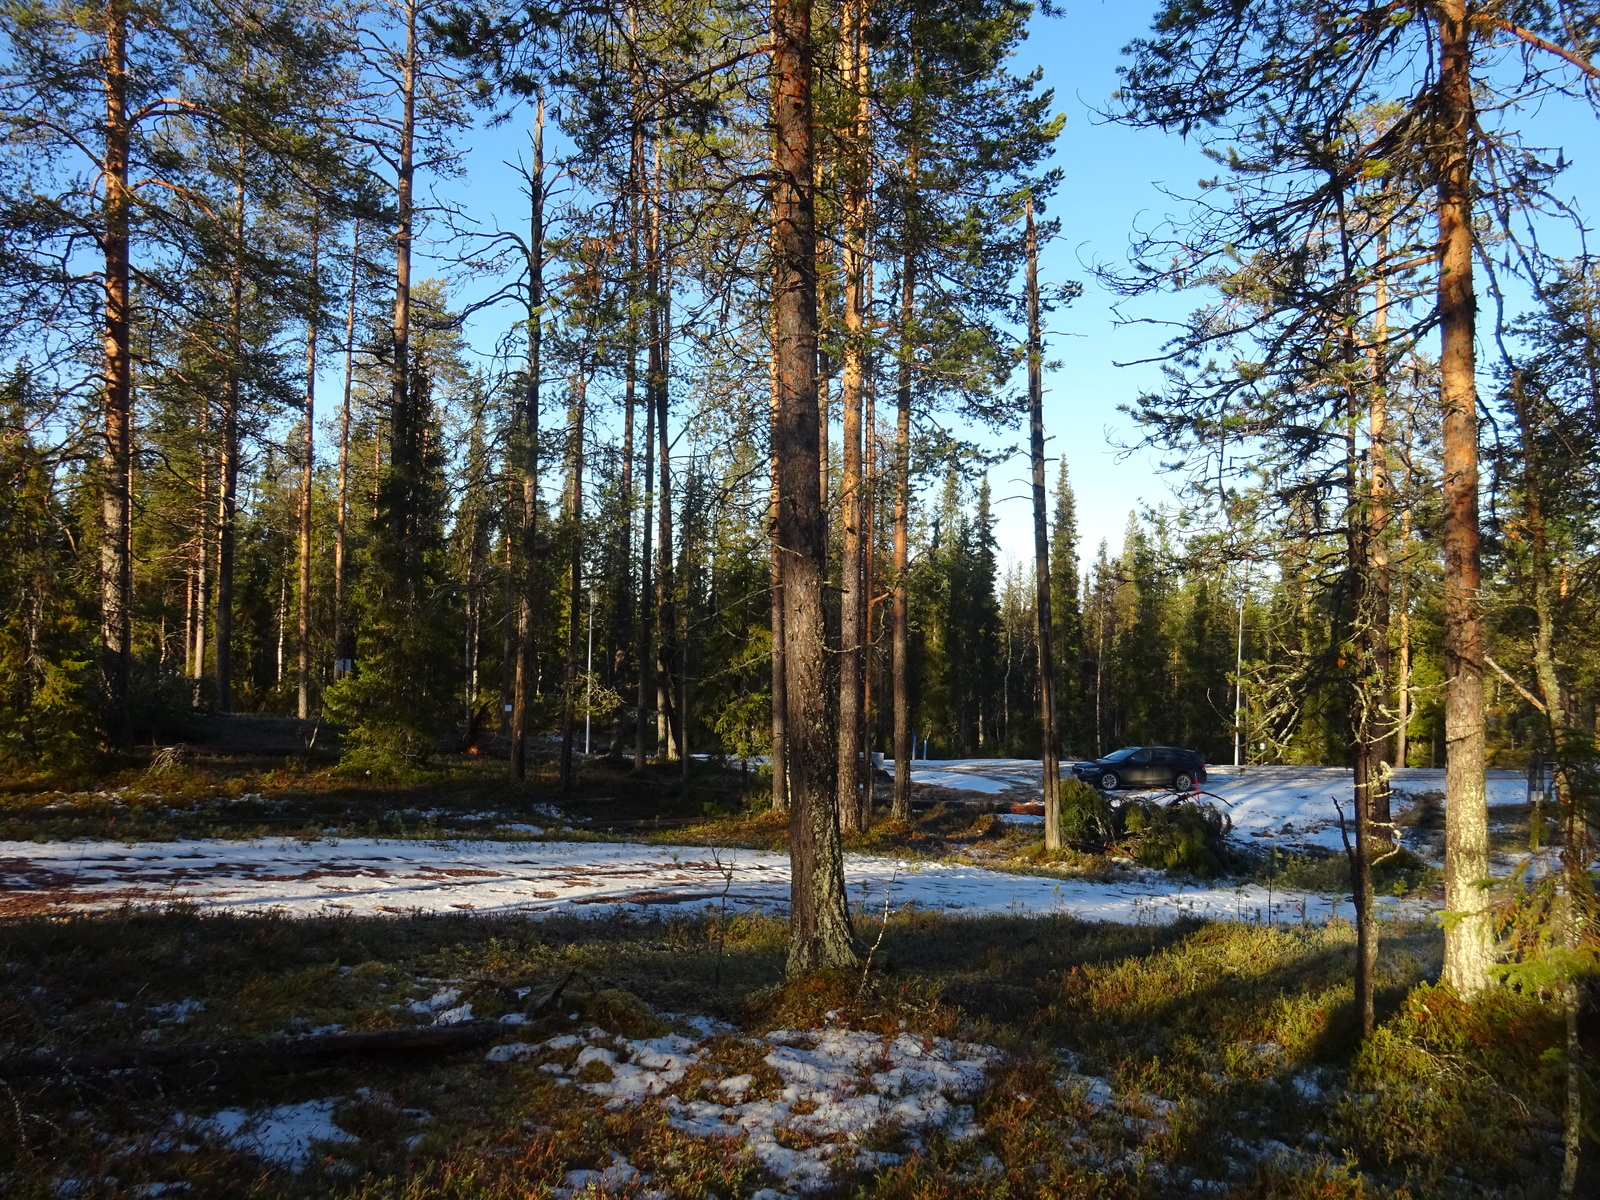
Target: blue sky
{"points": [[1115, 177]]}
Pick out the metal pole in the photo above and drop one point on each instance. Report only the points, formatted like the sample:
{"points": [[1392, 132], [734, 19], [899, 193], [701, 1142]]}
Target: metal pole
{"points": [[588, 683]]}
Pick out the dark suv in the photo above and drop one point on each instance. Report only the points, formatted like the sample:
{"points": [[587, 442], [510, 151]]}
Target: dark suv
{"points": [[1144, 766]]}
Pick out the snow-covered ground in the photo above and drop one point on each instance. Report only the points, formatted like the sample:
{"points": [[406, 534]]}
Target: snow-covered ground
{"points": [[1292, 805], [364, 877]]}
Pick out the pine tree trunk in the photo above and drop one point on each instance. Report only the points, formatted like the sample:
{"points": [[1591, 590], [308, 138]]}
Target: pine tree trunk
{"points": [[819, 919], [228, 454], [1402, 748], [307, 465], [780, 708], [569, 692], [666, 612], [900, 611], [1050, 750], [869, 565], [341, 649], [116, 565], [646, 649], [522, 682], [1469, 939], [852, 590], [202, 586]]}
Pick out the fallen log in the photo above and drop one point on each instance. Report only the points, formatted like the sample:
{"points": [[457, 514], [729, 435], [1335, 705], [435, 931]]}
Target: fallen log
{"points": [[262, 1051], [281, 1050]]}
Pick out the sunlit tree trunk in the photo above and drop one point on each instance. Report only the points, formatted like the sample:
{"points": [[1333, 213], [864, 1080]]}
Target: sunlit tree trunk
{"points": [[819, 920], [116, 561], [1469, 939]]}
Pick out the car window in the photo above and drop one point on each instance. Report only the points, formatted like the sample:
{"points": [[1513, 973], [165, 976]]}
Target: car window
{"points": [[1141, 757], [1163, 754], [1119, 755]]}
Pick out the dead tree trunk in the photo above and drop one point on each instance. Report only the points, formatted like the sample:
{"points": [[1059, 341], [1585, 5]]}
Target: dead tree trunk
{"points": [[526, 539], [1049, 742], [819, 917]]}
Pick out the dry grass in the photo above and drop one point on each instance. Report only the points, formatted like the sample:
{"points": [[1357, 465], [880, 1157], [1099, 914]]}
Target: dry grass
{"points": [[1227, 1041]]}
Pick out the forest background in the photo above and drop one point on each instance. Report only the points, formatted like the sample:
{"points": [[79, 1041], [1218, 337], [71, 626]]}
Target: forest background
{"points": [[270, 570]]}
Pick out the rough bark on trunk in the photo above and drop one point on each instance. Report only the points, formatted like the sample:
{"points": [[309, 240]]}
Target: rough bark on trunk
{"points": [[116, 564], [819, 918], [1469, 939], [1050, 747]]}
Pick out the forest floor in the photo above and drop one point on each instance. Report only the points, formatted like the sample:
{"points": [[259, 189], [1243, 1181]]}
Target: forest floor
{"points": [[1061, 1026]]}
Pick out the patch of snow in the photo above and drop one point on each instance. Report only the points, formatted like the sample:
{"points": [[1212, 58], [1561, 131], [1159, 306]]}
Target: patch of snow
{"points": [[287, 1135], [178, 1012], [834, 1087], [453, 1016]]}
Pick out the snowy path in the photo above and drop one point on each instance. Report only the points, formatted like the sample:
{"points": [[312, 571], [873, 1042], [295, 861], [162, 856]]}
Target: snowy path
{"points": [[363, 877]]}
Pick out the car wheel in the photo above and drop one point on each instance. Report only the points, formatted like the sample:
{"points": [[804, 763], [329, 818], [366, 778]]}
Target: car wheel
{"points": [[1110, 781], [1183, 782]]}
